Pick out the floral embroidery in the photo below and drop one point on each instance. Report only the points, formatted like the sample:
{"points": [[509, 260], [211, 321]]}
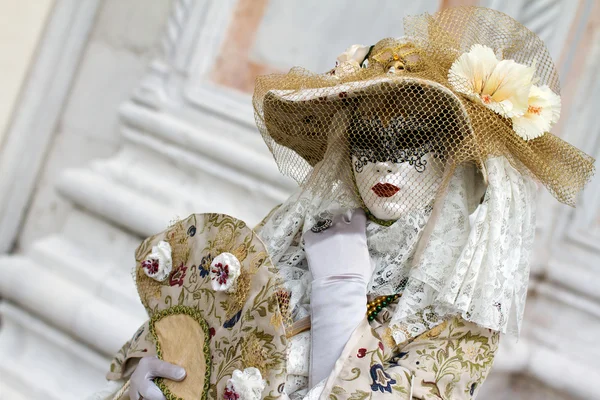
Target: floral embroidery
{"points": [[245, 314], [202, 272], [204, 266], [191, 230], [221, 273], [225, 269], [137, 335], [230, 394], [178, 276], [397, 359], [206, 261], [472, 352], [472, 390], [468, 356], [449, 362], [382, 381], [151, 266], [231, 322]]}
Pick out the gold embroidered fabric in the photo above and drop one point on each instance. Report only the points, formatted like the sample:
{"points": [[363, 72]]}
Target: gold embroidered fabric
{"points": [[448, 362], [241, 328], [403, 102]]}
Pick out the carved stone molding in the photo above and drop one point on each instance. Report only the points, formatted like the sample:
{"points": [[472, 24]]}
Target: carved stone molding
{"points": [[36, 116], [189, 144]]}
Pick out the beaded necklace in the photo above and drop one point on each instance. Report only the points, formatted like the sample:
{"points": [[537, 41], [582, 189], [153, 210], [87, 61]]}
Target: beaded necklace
{"points": [[374, 307]]}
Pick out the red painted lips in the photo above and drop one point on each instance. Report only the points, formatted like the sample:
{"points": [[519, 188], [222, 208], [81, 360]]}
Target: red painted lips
{"points": [[385, 189]]}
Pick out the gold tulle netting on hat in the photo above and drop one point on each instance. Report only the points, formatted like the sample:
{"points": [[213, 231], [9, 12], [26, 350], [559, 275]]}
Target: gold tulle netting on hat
{"points": [[399, 121]]}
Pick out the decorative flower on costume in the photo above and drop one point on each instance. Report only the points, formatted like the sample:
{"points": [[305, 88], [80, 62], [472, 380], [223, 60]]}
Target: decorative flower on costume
{"points": [[224, 271], [355, 53], [382, 381], [507, 88], [502, 86], [233, 320], [177, 277], [542, 113], [158, 264], [350, 60], [245, 385], [472, 353], [204, 266]]}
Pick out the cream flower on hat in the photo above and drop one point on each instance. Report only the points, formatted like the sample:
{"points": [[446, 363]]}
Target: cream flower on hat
{"points": [[503, 86], [542, 113], [355, 53], [350, 60]]}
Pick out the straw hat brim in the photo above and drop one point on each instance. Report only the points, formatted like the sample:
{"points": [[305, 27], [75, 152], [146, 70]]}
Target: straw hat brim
{"points": [[300, 119]]}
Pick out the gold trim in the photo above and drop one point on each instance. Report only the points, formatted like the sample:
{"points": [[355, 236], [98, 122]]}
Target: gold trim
{"points": [[195, 314]]}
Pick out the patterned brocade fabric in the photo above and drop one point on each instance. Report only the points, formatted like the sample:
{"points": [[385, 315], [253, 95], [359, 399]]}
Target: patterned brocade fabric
{"points": [[244, 324], [125, 361], [448, 362]]}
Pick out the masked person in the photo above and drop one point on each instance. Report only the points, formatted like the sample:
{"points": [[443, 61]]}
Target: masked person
{"points": [[404, 254]]}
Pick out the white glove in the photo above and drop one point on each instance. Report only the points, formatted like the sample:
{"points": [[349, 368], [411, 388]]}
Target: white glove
{"points": [[341, 267], [141, 385]]}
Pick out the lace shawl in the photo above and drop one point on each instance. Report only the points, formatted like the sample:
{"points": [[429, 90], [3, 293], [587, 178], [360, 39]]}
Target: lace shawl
{"points": [[448, 261]]}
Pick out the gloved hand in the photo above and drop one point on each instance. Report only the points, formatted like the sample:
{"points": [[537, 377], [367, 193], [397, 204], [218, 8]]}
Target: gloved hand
{"points": [[141, 385], [339, 261], [340, 249]]}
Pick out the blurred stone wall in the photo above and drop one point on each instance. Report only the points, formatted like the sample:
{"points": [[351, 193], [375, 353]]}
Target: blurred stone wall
{"points": [[135, 113]]}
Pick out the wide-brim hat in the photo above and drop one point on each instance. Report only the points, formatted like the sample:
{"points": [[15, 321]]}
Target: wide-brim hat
{"points": [[482, 72], [291, 119]]}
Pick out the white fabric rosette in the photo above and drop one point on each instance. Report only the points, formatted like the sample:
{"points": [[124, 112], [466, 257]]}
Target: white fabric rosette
{"points": [[224, 271], [158, 264], [245, 385]]}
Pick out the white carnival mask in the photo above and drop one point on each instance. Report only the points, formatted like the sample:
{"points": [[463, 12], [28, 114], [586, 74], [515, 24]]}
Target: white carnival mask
{"points": [[391, 189]]}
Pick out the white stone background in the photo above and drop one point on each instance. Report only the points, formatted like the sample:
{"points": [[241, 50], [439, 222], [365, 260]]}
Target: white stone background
{"points": [[114, 121]]}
